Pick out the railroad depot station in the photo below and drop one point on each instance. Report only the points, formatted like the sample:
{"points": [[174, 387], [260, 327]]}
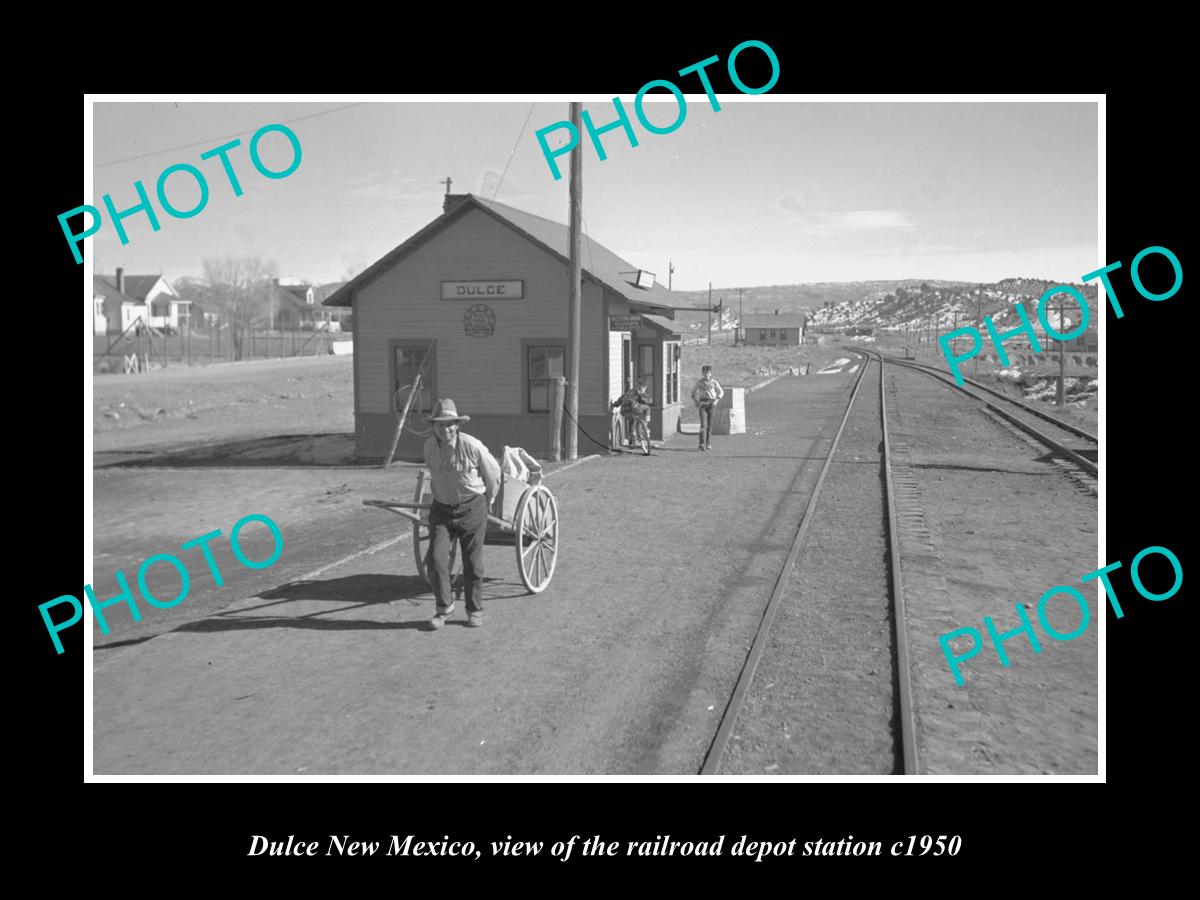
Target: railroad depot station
{"points": [[477, 301]]}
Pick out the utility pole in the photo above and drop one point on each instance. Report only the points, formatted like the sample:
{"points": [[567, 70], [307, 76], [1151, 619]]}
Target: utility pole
{"points": [[670, 273], [447, 181], [1061, 395], [978, 319], [741, 325], [576, 191], [709, 308]]}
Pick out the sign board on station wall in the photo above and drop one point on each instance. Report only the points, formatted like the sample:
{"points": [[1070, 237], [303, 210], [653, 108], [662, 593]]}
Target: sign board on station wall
{"points": [[483, 290]]}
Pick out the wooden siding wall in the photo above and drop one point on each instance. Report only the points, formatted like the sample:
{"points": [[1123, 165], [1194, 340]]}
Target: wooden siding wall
{"points": [[615, 382], [483, 375]]}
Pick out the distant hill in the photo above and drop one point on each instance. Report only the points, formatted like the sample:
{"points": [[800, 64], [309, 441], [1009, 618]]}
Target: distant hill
{"points": [[834, 306], [793, 298], [942, 304]]}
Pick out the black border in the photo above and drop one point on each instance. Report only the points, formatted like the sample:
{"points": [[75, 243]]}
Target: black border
{"points": [[1003, 825]]}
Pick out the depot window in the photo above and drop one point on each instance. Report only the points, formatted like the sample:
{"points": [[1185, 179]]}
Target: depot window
{"points": [[409, 359], [646, 361], [544, 363]]}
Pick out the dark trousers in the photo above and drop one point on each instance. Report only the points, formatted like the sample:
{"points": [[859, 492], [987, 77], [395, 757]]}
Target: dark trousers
{"points": [[707, 407], [467, 523]]}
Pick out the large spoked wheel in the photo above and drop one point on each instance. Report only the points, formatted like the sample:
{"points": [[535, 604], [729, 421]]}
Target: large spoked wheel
{"points": [[641, 436], [421, 534], [536, 525]]}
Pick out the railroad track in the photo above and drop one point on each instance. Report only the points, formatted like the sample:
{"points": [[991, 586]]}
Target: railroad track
{"points": [[1075, 448], [1063, 438], [904, 727]]}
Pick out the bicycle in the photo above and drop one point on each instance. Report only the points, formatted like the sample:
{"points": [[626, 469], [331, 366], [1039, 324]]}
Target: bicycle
{"points": [[631, 422], [640, 435]]}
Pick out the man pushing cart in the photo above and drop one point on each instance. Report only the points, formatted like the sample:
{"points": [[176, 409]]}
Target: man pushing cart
{"points": [[467, 499]]}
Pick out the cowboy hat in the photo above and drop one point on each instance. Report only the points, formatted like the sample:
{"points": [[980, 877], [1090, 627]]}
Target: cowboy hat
{"points": [[446, 411]]}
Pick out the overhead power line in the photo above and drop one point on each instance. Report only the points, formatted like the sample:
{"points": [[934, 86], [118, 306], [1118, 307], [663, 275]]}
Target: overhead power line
{"points": [[514, 150], [223, 137]]}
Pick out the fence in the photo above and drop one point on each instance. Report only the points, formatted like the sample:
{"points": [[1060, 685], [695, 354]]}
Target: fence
{"points": [[202, 347]]}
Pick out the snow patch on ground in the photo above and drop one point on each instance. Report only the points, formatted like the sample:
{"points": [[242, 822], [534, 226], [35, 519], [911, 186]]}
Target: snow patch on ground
{"points": [[835, 367]]}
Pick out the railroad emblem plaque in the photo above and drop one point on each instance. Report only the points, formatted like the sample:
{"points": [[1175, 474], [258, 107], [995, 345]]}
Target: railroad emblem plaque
{"points": [[479, 321]]}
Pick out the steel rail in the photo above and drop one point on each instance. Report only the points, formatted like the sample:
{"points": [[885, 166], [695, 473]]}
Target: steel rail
{"points": [[716, 750], [1063, 450], [1033, 410], [904, 692]]}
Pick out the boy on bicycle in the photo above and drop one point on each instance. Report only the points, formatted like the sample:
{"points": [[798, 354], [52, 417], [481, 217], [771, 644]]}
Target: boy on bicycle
{"points": [[635, 403]]}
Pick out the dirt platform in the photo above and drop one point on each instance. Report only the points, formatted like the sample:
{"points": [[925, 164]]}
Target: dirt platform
{"points": [[621, 666]]}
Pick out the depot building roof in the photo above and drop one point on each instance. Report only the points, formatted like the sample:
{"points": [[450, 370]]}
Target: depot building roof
{"points": [[598, 263]]}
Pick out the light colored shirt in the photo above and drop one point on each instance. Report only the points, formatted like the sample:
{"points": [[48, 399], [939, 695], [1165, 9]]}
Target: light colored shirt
{"points": [[707, 389], [461, 472]]}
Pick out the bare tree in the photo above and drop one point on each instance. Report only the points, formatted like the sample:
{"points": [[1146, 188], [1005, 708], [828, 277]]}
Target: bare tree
{"points": [[354, 268], [195, 292], [241, 288]]}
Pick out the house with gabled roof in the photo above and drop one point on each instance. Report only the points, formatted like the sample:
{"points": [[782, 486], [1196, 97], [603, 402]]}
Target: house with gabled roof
{"points": [[476, 302], [301, 306], [775, 329], [121, 298], [114, 310]]}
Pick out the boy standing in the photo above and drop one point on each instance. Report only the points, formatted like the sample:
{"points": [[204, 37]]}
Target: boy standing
{"points": [[705, 394]]}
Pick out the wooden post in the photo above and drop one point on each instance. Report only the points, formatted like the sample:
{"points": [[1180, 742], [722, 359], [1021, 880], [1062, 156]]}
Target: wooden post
{"points": [[1062, 370], [1061, 393], [557, 390], [978, 321], [576, 287], [416, 388], [710, 313], [741, 325]]}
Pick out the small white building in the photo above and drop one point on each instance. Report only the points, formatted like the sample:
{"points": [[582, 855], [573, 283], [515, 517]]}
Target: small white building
{"points": [[776, 329], [119, 299], [113, 309]]}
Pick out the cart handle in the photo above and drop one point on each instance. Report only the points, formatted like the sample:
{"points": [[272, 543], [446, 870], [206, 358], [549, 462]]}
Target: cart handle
{"points": [[402, 509]]}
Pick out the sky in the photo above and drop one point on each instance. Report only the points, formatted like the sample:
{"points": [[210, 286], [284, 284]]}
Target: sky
{"points": [[763, 191]]}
